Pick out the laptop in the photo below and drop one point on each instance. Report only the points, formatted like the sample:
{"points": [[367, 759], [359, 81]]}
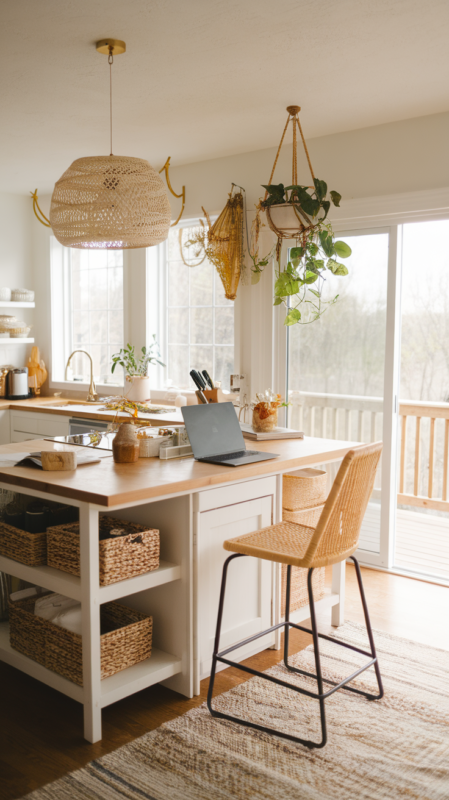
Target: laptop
{"points": [[215, 435]]}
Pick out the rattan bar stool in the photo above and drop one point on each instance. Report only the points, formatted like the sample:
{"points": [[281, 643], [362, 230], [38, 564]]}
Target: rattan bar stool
{"points": [[334, 539]]}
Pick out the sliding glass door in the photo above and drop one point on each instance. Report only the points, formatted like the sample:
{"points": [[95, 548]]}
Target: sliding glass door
{"points": [[422, 522], [337, 365]]}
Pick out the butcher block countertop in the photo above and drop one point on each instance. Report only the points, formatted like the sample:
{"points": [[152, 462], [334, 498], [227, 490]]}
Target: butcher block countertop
{"points": [[109, 484], [84, 410]]}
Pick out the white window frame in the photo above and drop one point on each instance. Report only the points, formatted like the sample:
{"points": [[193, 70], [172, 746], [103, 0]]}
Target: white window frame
{"points": [[61, 315]]}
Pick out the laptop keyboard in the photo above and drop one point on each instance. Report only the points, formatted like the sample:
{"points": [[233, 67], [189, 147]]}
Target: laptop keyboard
{"points": [[229, 456]]}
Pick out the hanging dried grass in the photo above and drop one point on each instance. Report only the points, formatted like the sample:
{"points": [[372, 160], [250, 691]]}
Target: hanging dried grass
{"points": [[225, 244]]}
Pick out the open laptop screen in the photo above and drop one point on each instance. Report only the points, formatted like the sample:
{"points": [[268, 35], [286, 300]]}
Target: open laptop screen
{"points": [[213, 429]]}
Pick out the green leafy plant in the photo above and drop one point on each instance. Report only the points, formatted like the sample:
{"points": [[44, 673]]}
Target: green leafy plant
{"points": [[300, 286], [302, 281], [307, 202], [135, 365]]}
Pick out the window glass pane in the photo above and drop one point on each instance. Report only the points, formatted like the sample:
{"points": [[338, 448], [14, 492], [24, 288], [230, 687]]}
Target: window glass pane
{"points": [[199, 319], [178, 326], [201, 325], [95, 311]]}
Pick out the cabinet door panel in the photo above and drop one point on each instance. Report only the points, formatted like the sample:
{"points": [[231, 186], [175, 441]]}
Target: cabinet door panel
{"points": [[248, 592]]}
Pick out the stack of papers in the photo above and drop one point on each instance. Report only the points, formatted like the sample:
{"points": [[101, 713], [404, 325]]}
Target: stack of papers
{"points": [[277, 433]]}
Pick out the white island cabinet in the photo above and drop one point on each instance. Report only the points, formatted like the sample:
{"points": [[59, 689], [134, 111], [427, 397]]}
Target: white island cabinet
{"points": [[195, 506]]}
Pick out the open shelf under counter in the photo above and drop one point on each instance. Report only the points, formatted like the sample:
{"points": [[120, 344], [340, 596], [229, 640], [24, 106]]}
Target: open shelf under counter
{"points": [[159, 667], [30, 667], [70, 585]]}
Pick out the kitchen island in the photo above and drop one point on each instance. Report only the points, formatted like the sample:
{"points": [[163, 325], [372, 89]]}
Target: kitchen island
{"points": [[196, 506]]}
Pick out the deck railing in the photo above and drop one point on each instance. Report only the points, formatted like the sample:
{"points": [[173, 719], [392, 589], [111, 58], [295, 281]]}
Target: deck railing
{"points": [[423, 446]]}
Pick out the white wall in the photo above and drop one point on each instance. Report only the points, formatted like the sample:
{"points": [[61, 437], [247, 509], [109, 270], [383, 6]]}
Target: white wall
{"points": [[16, 265], [400, 157]]}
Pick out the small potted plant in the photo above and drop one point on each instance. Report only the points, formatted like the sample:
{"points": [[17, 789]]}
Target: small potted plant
{"points": [[265, 411], [136, 369]]}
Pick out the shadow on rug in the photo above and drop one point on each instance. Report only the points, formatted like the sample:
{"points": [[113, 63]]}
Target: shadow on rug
{"points": [[397, 747]]}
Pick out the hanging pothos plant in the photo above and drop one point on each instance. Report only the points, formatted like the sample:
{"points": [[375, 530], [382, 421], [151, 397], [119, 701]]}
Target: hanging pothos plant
{"points": [[302, 283], [299, 212]]}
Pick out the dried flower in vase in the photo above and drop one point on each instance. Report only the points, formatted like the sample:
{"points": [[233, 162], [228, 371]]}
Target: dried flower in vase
{"points": [[265, 411]]}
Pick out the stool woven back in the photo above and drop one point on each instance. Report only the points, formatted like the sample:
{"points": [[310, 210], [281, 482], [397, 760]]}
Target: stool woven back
{"points": [[337, 532]]}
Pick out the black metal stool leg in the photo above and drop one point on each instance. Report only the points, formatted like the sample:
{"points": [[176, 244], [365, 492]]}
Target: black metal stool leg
{"points": [[287, 613], [316, 650], [369, 629], [218, 629]]}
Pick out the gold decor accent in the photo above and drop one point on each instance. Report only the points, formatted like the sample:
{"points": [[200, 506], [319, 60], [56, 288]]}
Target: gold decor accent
{"points": [[110, 202], [165, 169], [39, 213], [114, 47], [225, 243]]}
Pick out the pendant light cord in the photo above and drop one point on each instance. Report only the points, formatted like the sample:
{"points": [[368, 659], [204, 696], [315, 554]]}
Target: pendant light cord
{"points": [[110, 62]]}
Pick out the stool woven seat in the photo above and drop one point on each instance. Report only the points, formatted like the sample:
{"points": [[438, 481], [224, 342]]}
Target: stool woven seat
{"points": [[334, 539], [285, 543]]}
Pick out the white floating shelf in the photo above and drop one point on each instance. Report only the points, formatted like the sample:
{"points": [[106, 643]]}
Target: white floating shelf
{"points": [[16, 304], [15, 340]]}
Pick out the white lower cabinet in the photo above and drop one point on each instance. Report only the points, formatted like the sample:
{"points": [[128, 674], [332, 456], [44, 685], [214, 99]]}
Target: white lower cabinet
{"points": [[248, 599], [27, 425], [4, 427]]}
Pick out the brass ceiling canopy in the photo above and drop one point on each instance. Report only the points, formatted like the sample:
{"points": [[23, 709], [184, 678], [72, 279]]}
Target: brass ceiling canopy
{"points": [[114, 47], [110, 202]]}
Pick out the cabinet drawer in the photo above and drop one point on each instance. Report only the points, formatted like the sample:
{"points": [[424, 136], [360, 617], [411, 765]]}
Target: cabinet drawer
{"points": [[26, 423], [20, 436], [53, 427], [237, 493]]}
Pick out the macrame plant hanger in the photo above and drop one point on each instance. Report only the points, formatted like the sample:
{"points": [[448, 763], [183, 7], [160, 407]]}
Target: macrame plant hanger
{"points": [[287, 220]]}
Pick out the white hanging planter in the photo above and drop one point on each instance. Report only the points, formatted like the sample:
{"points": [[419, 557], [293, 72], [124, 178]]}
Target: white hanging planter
{"points": [[137, 388]]}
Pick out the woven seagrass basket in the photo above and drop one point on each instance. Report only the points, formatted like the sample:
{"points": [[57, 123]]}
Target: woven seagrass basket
{"points": [[28, 548], [305, 489], [120, 558], [305, 492], [126, 639]]}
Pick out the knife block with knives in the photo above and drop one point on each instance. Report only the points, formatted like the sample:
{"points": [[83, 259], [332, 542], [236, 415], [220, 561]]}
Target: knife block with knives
{"points": [[206, 391]]}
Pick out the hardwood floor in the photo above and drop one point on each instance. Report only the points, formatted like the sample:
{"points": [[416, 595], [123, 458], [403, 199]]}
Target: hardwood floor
{"points": [[41, 730]]}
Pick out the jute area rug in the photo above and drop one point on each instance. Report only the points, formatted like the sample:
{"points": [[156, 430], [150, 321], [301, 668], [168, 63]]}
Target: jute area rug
{"points": [[394, 748]]}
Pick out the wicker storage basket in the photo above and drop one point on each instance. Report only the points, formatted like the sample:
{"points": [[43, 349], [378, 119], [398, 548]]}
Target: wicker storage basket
{"points": [[28, 548], [299, 595], [120, 558], [307, 488], [303, 496], [126, 639]]}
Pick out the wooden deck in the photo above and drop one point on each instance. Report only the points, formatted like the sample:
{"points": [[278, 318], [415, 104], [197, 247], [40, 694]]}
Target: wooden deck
{"points": [[422, 540]]}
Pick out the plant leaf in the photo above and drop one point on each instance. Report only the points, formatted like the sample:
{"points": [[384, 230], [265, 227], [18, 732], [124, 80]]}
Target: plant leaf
{"points": [[342, 249], [326, 243], [292, 317], [296, 252], [335, 197], [320, 189], [314, 291], [310, 277], [277, 301]]}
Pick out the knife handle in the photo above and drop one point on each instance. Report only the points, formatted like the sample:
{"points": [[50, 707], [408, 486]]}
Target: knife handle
{"points": [[195, 378], [208, 379]]}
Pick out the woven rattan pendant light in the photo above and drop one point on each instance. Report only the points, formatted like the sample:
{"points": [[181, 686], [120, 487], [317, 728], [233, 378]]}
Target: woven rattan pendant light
{"points": [[110, 202]]}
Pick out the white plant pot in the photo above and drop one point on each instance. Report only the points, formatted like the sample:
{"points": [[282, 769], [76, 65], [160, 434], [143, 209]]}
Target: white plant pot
{"points": [[137, 388]]}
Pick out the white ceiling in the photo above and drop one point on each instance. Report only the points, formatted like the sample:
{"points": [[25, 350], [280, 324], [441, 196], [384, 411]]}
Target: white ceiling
{"points": [[206, 78]]}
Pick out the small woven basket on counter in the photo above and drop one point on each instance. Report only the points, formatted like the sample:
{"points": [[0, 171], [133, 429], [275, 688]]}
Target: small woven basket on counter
{"points": [[28, 548], [121, 557], [126, 639], [303, 497]]}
